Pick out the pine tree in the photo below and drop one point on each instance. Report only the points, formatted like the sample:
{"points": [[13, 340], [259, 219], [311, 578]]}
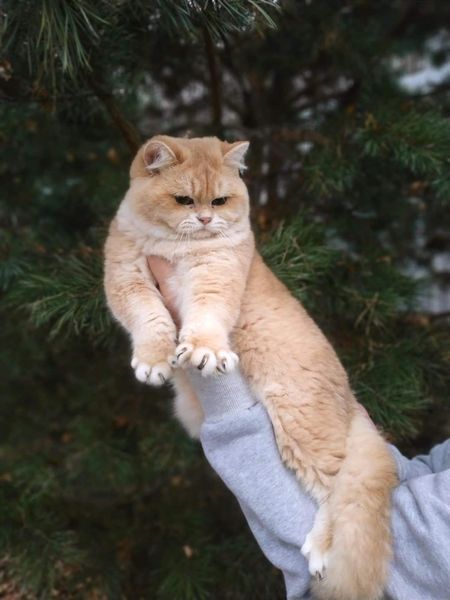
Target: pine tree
{"points": [[102, 495]]}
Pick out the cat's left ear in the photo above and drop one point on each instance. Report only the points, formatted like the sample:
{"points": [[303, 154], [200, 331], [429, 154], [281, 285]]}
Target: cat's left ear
{"points": [[234, 155], [158, 155]]}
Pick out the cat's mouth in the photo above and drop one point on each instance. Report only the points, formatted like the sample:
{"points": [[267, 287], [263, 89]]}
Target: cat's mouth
{"points": [[201, 233], [204, 233]]}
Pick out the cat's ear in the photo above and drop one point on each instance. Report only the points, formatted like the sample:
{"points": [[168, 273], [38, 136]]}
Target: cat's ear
{"points": [[234, 155], [157, 155]]}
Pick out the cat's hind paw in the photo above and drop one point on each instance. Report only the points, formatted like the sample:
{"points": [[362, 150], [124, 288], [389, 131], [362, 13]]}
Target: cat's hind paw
{"points": [[155, 375], [205, 359], [317, 559]]}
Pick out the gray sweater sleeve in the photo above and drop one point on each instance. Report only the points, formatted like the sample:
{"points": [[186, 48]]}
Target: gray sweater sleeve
{"points": [[239, 443]]}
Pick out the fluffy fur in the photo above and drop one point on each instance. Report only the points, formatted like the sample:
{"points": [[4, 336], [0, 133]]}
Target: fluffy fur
{"points": [[232, 305]]}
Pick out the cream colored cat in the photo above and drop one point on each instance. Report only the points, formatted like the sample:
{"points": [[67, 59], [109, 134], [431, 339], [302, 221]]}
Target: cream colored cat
{"points": [[187, 204]]}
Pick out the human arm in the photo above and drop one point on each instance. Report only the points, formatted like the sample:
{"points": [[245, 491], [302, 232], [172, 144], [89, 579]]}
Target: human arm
{"points": [[421, 527], [436, 461], [238, 441]]}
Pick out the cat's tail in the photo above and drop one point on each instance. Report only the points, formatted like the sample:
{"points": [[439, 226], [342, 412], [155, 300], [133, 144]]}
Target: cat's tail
{"points": [[359, 512]]}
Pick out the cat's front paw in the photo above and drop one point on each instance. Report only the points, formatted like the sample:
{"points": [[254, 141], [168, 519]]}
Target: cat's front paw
{"points": [[153, 374], [206, 359]]}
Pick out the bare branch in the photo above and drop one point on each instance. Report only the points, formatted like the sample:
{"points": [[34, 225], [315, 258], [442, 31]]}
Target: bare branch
{"points": [[214, 76]]}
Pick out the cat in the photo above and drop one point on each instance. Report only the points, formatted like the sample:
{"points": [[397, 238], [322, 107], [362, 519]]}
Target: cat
{"points": [[188, 204]]}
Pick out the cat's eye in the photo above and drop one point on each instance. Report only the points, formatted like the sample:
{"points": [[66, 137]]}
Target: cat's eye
{"points": [[219, 201], [185, 200]]}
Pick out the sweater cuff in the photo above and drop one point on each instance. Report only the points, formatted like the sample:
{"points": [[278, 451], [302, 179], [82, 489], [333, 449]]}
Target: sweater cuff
{"points": [[220, 394]]}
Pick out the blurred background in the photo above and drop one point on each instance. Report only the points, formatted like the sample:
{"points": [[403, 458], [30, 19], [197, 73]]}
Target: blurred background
{"points": [[347, 106]]}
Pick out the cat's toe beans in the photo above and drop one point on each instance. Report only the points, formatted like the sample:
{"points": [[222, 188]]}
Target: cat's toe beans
{"points": [[226, 361], [204, 359]]}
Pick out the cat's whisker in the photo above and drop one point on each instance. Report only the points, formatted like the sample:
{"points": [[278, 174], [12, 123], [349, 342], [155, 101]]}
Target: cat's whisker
{"points": [[224, 235], [183, 240], [179, 240], [189, 239], [186, 242]]}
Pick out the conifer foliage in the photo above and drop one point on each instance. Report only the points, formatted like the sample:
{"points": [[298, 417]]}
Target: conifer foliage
{"points": [[102, 495]]}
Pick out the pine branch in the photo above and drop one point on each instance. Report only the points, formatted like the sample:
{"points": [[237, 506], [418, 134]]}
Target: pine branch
{"points": [[15, 89], [298, 255], [128, 131], [419, 141], [68, 298], [97, 477]]}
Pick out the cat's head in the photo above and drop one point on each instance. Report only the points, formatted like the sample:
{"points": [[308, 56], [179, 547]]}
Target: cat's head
{"points": [[190, 188]]}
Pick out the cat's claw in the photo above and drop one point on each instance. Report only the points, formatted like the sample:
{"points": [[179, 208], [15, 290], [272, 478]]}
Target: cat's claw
{"points": [[317, 565], [183, 353], [173, 362], [226, 361], [156, 374], [205, 360]]}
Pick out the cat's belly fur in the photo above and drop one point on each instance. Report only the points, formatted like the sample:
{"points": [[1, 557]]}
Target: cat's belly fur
{"points": [[295, 372]]}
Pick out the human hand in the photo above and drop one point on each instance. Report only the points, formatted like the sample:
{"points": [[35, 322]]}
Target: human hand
{"points": [[162, 270]]}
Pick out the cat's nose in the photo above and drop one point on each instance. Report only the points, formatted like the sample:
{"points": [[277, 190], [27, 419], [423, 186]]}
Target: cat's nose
{"points": [[204, 220]]}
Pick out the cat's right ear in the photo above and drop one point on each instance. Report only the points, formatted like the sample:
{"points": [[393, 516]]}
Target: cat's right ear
{"points": [[157, 155]]}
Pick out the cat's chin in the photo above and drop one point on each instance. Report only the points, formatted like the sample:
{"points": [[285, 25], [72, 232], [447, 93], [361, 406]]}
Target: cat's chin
{"points": [[202, 234]]}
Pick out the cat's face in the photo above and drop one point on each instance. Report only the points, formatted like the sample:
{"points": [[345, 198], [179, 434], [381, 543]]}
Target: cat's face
{"points": [[190, 188]]}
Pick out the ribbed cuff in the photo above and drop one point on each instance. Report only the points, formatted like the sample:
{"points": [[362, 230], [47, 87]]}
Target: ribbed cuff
{"points": [[221, 394]]}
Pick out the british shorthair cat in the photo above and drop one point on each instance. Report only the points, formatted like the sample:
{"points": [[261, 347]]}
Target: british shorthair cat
{"points": [[188, 204]]}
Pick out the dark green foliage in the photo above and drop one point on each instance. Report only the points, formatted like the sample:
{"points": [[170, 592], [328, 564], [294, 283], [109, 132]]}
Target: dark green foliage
{"points": [[69, 298], [101, 493]]}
